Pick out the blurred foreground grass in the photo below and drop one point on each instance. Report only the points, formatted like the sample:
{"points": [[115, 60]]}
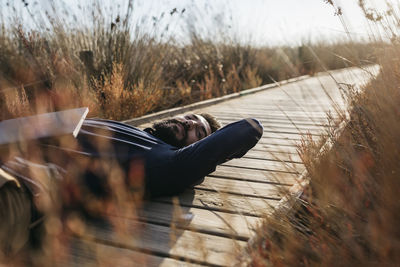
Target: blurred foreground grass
{"points": [[348, 215]]}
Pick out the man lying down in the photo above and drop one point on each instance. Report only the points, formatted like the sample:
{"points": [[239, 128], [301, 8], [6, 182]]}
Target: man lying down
{"points": [[173, 155]]}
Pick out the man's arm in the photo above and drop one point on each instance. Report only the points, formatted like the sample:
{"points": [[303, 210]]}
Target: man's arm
{"points": [[191, 164], [231, 141]]}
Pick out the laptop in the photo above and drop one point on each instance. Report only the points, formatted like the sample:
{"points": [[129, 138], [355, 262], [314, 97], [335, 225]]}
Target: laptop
{"points": [[46, 125]]}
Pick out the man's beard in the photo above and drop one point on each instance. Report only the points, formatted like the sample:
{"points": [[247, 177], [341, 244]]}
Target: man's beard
{"points": [[164, 130]]}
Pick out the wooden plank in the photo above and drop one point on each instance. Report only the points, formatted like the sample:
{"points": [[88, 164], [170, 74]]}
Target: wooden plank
{"points": [[262, 102], [281, 104], [302, 115], [226, 171], [164, 241], [268, 165], [290, 107], [259, 103], [260, 146], [244, 188], [277, 141], [269, 118], [283, 125], [281, 136], [287, 136], [291, 134], [200, 220], [268, 100], [230, 112], [299, 107], [294, 126], [280, 116], [219, 201], [292, 150], [88, 253], [272, 155]]}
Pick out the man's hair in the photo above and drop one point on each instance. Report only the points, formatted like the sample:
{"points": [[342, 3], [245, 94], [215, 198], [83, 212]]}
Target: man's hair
{"points": [[214, 124], [164, 131]]}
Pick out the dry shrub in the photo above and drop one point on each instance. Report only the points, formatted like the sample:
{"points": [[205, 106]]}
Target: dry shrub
{"points": [[16, 103], [208, 86], [232, 82], [118, 102], [185, 91], [252, 80], [64, 95]]}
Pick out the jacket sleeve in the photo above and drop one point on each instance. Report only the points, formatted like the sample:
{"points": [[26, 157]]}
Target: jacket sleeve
{"points": [[194, 162], [231, 141]]}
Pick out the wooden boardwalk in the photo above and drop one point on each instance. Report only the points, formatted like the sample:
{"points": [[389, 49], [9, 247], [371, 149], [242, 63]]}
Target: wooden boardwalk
{"points": [[211, 224]]}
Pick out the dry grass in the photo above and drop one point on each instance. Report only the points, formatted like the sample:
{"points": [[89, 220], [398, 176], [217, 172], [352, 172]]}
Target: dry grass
{"points": [[348, 215], [122, 72]]}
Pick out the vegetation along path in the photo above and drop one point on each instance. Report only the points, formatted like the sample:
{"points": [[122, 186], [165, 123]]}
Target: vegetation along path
{"points": [[212, 224]]}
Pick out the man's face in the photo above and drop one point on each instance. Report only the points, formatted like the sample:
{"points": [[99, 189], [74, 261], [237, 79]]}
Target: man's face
{"points": [[184, 130]]}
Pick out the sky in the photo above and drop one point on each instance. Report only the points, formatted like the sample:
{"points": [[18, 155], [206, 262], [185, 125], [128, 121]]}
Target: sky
{"points": [[285, 21], [262, 22]]}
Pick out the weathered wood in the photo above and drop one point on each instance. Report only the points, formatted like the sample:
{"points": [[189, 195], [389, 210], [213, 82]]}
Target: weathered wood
{"points": [[269, 165], [278, 177], [89, 253], [290, 132], [281, 117], [284, 142], [280, 111], [201, 220], [220, 201], [275, 147], [272, 155], [163, 241], [281, 114], [244, 188], [278, 141], [284, 127]]}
